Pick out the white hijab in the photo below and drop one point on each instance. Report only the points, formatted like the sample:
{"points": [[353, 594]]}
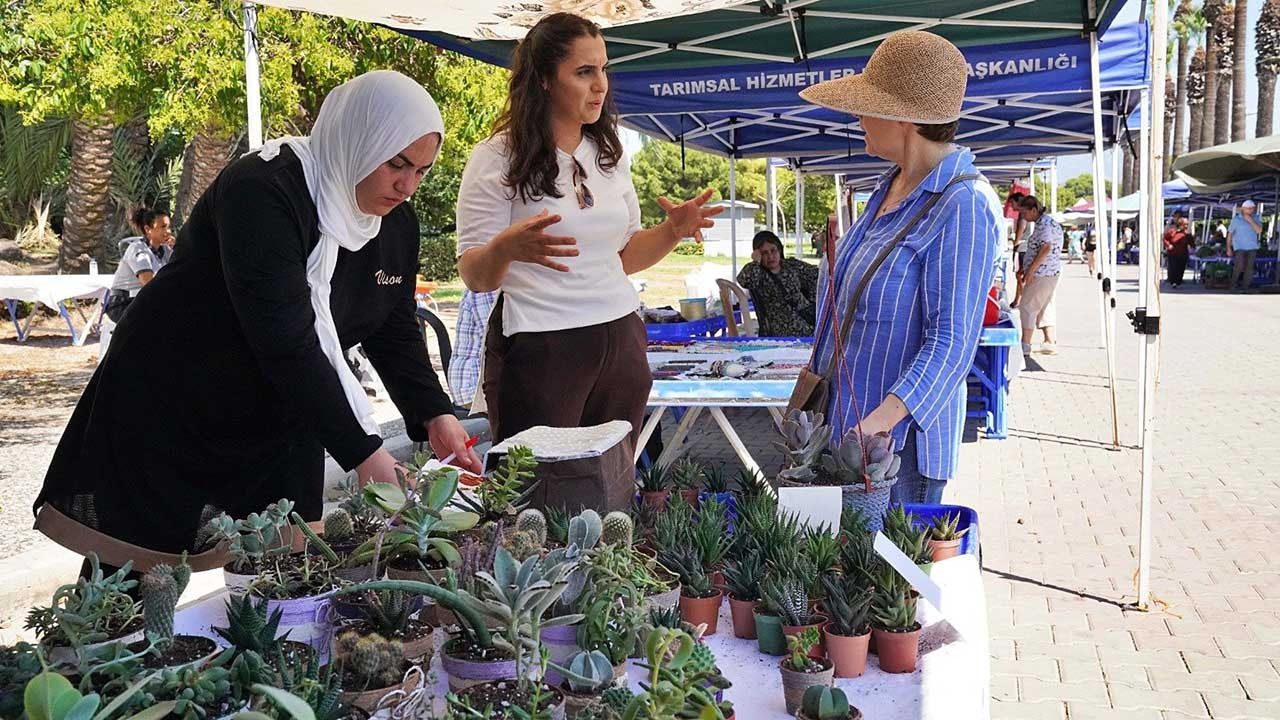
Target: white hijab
{"points": [[362, 123]]}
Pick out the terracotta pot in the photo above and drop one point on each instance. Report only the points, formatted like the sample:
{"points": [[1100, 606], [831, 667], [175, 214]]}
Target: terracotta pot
{"points": [[656, 499], [849, 654], [819, 651], [897, 650], [769, 637], [795, 683], [367, 700], [943, 549], [690, 496], [744, 621], [561, 642], [468, 673], [697, 611]]}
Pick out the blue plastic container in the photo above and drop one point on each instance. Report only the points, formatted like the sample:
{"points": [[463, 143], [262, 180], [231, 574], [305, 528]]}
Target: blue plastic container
{"points": [[968, 519]]}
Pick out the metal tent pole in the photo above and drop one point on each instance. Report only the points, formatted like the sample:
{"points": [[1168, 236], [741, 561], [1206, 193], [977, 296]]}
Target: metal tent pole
{"points": [[1148, 322], [840, 224], [733, 215], [770, 195], [799, 211], [1115, 191], [1106, 248], [1053, 187], [252, 77]]}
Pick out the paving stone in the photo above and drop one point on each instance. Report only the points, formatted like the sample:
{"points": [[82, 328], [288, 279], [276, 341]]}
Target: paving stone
{"points": [[1229, 707], [1085, 711], [1186, 701]]}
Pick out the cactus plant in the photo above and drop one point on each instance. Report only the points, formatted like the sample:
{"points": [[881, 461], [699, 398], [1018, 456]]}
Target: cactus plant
{"points": [[825, 703], [655, 478], [558, 525], [522, 544], [787, 597], [944, 527], [532, 521], [369, 661], [701, 660], [160, 589], [338, 526], [743, 576], [618, 529], [589, 672], [687, 474], [894, 609], [250, 628], [615, 700]]}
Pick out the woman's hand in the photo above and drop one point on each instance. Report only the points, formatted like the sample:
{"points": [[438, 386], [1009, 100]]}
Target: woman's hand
{"points": [[525, 241], [378, 467], [885, 417], [689, 218], [447, 438]]}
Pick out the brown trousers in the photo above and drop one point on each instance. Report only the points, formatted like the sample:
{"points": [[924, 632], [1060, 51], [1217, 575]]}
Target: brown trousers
{"points": [[566, 378]]}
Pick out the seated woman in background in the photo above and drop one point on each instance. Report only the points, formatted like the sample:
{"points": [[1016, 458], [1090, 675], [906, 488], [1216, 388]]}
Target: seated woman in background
{"points": [[140, 258], [782, 289]]}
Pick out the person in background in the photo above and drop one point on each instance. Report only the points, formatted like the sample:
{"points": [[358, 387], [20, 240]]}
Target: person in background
{"points": [[1178, 242], [1040, 276], [782, 289], [468, 347], [1242, 245], [1074, 238], [1091, 251], [141, 256], [1021, 231], [924, 251]]}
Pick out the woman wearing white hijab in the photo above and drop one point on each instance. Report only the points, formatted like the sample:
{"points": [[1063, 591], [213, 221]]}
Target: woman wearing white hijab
{"points": [[226, 382]]}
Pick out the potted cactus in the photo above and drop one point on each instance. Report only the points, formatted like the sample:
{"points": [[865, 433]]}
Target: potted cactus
{"points": [[894, 627], [393, 614], [618, 528], [848, 632], [587, 675], [89, 613], [800, 670], [910, 535], [561, 640], [699, 600], [371, 666], [655, 486], [743, 577], [687, 476], [682, 681], [944, 537], [787, 593], [711, 539], [161, 589], [826, 703]]}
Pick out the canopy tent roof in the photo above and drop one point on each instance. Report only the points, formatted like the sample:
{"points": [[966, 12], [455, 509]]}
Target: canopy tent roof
{"points": [[1224, 168], [1172, 190]]}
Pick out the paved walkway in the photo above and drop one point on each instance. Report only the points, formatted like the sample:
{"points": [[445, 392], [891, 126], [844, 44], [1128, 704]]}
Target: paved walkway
{"points": [[1059, 515]]}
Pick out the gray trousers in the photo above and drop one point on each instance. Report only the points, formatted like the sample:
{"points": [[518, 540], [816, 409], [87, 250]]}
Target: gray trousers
{"points": [[1242, 264]]}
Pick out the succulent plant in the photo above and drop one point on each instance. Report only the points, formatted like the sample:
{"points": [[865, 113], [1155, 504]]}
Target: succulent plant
{"points": [[522, 545], [198, 691], [822, 548], [618, 529], [701, 660], [867, 460], [387, 612], [589, 672], [506, 490], [615, 700], [161, 588], [257, 537], [655, 478], [694, 581], [558, 525], [910, 535], [673, 530], [369, 661], [752, 484], [338, 526], [532, 521], [711, 532], [825, 703], [894, 609], [787, 597], [804, 438], [91, 610], [714, 480], [664, 617], [944, 527], [848, 604], [743, 576], [250, 628], [687, 474], [798, 648]]}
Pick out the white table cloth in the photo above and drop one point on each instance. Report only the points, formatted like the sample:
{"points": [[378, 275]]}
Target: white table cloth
{"points": [[53, 291]]}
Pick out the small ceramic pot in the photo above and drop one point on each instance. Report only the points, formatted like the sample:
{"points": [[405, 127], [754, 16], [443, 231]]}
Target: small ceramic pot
{"points": [[849, 654], [897, 650], [944, 549], [698, 611]]}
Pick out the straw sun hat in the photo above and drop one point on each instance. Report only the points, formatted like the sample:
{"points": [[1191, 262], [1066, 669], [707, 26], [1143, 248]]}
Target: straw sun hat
{"points": [[914, 76]]}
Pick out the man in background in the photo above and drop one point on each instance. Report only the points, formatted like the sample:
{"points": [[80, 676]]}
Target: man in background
{"points": [[1242, 244]]}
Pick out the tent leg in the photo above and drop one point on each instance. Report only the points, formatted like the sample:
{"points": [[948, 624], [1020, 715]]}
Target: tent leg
{"points": [[799, 211], [770, 195], [1053, 187], [1115, 191], [252, 78], [1106, 248], [1154, 150], [733, 219], [840, 226]]}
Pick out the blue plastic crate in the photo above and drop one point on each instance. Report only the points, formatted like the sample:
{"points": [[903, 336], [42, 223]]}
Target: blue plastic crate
{"points": [[968, 519]]}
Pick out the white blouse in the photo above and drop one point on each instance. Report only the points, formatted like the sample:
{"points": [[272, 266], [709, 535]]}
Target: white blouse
{"points": [[537, 298]]}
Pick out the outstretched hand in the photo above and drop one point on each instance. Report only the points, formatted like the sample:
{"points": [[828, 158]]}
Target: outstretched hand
{"points": [[690, 218], [525, 241]]}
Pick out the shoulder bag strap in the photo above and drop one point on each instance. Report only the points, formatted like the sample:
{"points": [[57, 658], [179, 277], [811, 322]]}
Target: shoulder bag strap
{"points": [[846, 323]]}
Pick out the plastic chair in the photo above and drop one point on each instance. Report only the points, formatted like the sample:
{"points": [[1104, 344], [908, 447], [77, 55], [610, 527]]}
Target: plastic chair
{"points": [[730, 288], [477, 426]]}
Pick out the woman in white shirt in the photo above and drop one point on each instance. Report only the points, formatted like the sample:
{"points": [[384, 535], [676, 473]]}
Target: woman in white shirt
{"points": [[565, 347]]}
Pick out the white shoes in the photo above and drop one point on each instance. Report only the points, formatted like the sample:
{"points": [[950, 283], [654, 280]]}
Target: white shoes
{"points": [[1048, 349]]}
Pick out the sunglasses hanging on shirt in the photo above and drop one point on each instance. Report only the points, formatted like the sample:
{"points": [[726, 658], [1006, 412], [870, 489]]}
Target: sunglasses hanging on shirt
{"points": [[585, 198]]}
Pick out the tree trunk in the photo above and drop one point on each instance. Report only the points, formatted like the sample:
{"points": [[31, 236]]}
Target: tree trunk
{"points": [[88, 194], [137, 134], [1171, 111], [205, 157], [1222, 125], [1266, 103], [1180, 93], [1238, 49], [1127, 168], [1212, 10]]}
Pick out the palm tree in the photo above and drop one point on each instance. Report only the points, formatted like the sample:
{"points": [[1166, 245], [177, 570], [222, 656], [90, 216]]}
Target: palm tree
{"points": [[1171, 108], [1240, 40], [1211, 10], [1267, 39], [88, 193], [1224, 47], [1187, 21], [1195, 99], [205, 157]]}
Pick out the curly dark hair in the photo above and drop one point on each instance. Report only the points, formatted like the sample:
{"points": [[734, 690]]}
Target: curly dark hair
{"points": [[532, 169]]}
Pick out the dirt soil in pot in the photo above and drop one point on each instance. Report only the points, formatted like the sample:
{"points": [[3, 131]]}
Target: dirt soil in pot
{"points": [[183, 650]]}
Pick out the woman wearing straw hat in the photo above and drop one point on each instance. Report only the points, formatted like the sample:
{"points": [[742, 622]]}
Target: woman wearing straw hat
{"points": [[225, 382], [901, 301]]}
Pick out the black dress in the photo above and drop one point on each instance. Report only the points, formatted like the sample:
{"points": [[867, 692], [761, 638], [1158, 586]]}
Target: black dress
{"points": [[215, 394]]}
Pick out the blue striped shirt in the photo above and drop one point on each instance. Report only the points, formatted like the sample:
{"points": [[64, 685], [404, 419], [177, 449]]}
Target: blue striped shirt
{"points": [[916, 328]]}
